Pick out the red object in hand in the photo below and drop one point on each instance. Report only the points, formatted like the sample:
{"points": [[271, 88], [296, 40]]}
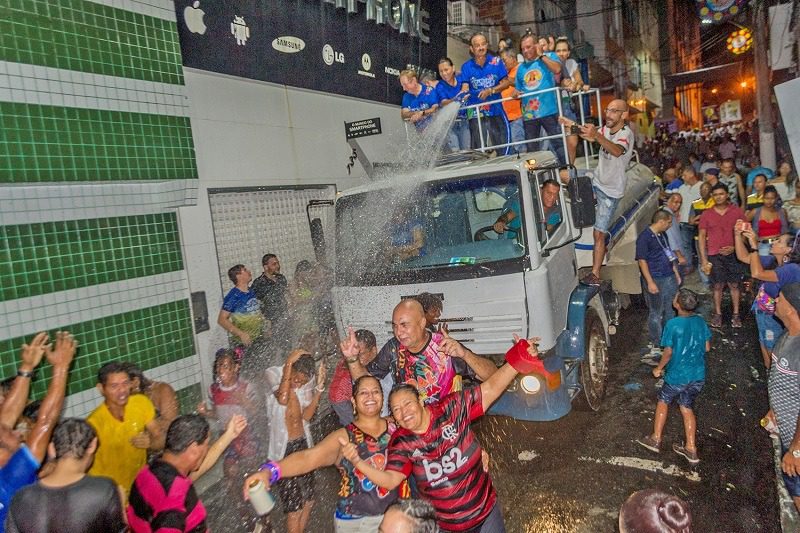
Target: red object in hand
{"points": [[520, 359]]}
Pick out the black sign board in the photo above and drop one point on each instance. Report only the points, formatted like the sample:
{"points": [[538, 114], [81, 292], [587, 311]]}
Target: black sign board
{"points": [[362, 128], [349, 47]]}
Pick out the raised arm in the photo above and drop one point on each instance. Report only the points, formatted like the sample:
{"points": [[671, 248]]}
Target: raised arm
{"points": [[17, 397], [349, 348], [60, 357], [235, 426], [482, 366], [492, 388]]}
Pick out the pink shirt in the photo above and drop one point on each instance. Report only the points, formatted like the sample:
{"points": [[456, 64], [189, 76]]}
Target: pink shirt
{"points": [[719, 227]]}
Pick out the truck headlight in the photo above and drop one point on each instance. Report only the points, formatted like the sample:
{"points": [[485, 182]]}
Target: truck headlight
{"points": [[531, 384]]}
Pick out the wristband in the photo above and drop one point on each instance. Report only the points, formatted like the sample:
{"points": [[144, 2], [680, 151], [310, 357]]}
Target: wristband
{"points": [[274, 471], [351, 360], [25, 374]]}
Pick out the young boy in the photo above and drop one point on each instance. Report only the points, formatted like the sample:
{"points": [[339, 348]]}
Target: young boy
{"points": [[686, 339], [292, 400]]}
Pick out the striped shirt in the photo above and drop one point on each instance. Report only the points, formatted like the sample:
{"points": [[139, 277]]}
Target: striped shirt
{"points": [[164, 501], [784, 386], [446, 462]]}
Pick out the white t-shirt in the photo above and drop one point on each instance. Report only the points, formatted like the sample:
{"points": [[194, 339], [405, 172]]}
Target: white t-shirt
{"points": [[610, 176], [278, 436], [689, 193]]}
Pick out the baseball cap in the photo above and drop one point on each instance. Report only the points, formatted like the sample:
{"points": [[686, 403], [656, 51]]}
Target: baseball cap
{"points": [[713, 171], [792, 294]]}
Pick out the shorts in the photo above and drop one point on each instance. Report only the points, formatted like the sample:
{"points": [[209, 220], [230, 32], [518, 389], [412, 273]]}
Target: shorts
{"points": [[686, 393], [792, 482], [604, 210], [725, 269], [769, 329], [294, 492]]}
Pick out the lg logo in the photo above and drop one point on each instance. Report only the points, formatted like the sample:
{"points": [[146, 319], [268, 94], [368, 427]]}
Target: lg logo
{"points": [[331, 56]]}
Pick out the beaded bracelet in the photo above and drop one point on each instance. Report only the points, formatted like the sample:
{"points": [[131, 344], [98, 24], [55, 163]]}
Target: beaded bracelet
{"points": [[274, 471]]}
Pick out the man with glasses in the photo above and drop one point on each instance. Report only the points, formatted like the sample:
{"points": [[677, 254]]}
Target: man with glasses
{"points": [[616, 149]]}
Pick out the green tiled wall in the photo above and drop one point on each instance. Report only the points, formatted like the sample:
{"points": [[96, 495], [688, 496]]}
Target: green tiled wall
{"points": [[189, 397], [90, 37], [54, 256], [41, 143], [150, 337]]}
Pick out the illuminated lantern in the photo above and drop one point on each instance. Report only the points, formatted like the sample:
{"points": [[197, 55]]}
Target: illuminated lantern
{"points": [[712, 11], [740, 41]]}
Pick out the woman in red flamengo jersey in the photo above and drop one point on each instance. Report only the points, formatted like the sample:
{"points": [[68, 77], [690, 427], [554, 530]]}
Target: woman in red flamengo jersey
{"points": [[436, 445]]}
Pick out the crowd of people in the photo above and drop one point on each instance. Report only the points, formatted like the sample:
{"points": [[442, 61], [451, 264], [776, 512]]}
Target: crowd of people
{"points": [[734, 222], [406, 454], [507, 99]]}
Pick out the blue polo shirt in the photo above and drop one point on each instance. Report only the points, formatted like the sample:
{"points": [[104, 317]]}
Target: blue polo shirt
{"points": [[653, 248], [424, 100], [445, 91], [535, 76], [19, 471], [483, 77]]}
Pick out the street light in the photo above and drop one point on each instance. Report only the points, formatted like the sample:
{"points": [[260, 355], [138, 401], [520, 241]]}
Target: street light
{"points": [[714, 90], [743, 85]]}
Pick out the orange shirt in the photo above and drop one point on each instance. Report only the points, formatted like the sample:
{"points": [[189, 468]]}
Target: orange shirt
{"points": [[511, 107]]}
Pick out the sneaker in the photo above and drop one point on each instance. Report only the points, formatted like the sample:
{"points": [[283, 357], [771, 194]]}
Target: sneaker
{"points": [[690, 456], [736, 322], [716, 321], [650, 443], [591, 279]]}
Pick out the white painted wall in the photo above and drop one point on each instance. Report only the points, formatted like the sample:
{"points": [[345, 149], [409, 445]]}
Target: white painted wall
{"points": [[250, 133]]}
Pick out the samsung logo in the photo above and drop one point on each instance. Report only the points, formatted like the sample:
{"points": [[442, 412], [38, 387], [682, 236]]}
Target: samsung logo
{"points": [[289, 44]]}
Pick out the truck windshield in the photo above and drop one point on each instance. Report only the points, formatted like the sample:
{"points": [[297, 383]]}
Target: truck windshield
{"points": [[438, 230]]}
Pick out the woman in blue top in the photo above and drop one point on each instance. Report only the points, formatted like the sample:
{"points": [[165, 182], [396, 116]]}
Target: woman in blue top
{"points": [[451, 88]]}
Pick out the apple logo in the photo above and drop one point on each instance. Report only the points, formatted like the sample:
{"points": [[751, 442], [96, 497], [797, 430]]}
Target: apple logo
{"points": [[193, 16]]}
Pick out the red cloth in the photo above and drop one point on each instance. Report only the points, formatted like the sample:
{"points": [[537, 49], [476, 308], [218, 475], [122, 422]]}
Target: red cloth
{"points": [[341, 385], [719, 227]]}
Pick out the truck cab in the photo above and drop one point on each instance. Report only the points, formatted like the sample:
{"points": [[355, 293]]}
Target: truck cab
{"points": [[434, 232]]}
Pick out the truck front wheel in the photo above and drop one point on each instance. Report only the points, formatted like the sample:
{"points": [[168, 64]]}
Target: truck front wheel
{"points": [[594, 367]]}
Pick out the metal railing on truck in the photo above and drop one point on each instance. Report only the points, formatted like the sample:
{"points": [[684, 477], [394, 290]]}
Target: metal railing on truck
{"points": [[582, 116]]}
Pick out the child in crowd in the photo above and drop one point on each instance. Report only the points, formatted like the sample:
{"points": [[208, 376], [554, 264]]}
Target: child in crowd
{"points": [[686, 339], [292, 399], [230, 395]]}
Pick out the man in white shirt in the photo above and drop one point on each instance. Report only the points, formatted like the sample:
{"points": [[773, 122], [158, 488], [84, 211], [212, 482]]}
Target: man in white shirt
{"points": [[689, 191], [616, 149]]}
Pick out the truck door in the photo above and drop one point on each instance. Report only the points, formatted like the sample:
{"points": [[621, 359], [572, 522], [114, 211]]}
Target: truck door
{"points": [[549, 283]]}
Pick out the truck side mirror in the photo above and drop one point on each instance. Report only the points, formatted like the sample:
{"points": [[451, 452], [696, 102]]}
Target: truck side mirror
{"points": [[582, 197]]}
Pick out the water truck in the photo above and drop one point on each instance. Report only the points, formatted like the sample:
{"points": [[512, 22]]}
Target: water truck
{"points": [[524, 281]]}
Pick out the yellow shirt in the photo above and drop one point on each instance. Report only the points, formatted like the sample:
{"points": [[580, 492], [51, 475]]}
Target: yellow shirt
{"points": [[116, 457]]}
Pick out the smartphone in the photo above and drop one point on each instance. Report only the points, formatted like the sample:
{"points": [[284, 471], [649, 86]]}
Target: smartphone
{"points": [[574, 129]]}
